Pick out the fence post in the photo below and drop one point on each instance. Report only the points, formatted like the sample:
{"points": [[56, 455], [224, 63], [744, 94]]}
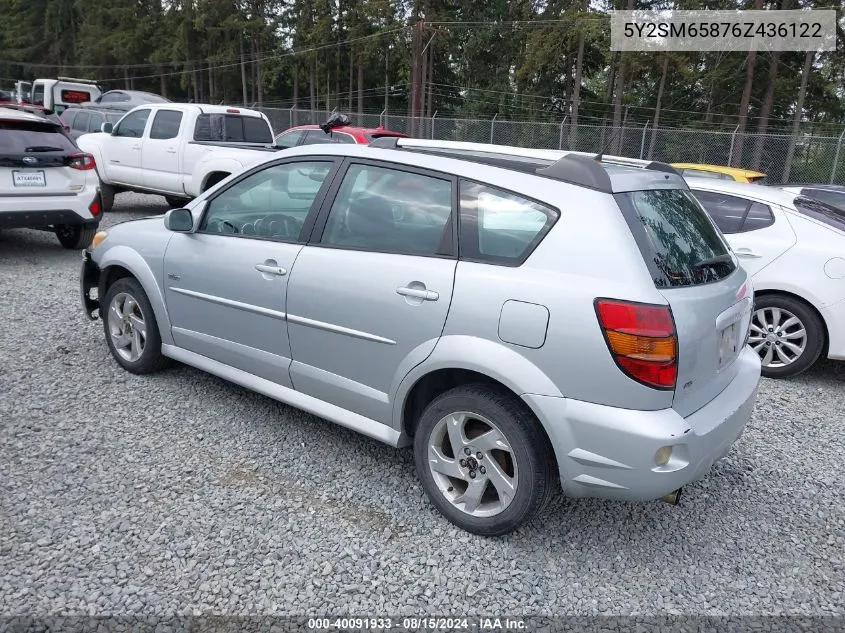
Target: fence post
{"points": [[731, 150], [290, 116], [642, 142], [432, 124], [836, 157], [383, 124], [492, 125], [560, 137]]}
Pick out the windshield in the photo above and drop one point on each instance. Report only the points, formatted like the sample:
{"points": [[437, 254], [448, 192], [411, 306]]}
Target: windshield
{"points": [[821, 211], [679, 243]]}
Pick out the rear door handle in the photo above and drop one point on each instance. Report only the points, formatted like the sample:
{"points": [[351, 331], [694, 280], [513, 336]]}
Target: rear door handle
{"points": [[271, 270], [418, 293], [747, 253]]}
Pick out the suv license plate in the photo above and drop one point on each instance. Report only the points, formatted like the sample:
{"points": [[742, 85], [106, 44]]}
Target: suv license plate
{"points": [[29, 179], [728, 344]]}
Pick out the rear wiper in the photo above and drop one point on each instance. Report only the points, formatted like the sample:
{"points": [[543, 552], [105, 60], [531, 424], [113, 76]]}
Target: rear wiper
{"points": [[713, 261], [44, 148]]}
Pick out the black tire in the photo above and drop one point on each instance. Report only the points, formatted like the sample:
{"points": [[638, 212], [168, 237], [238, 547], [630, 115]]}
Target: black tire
{"points": [[214, 179], [150, 359], [175, 202], [530, 450], [107, 193], [813, 325], [75, 237]]}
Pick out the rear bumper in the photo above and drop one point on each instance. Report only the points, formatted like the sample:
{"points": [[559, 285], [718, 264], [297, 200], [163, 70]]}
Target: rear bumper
{"points": [[610, 452], [49, 217], [834, 317]]}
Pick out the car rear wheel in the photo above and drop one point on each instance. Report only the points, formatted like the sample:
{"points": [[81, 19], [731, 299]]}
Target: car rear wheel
{"points": [[787, 334], [107, 194], [75, 237], [131, 328], [483, 460], [176, 203]]}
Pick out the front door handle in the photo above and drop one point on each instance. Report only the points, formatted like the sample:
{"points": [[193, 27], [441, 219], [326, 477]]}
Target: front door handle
{"points": [[271, 270], [171, 150], [418, 293], [747, 253], [136, 147]]}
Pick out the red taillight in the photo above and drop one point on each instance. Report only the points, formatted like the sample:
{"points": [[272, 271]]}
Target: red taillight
{"points": [[233, 110], [642, 339], [81, 161], [96, 207]]}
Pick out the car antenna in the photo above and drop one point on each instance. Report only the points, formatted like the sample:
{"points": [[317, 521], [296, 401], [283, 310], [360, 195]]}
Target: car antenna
{"points": [[598, 157]]}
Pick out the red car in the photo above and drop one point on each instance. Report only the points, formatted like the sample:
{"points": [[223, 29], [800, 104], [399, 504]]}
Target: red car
{"points": [[335, 130]]}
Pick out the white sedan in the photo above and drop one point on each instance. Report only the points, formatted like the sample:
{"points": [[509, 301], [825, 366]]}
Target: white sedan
{"points": [[794, 249]]}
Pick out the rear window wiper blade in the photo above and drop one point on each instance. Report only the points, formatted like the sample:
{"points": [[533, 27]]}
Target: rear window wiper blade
{"points": [[44, 148], [725, 258]]}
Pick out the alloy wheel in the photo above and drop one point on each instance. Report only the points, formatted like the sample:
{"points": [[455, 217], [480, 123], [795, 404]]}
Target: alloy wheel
{"points": [[127, 327], [778, 336]]}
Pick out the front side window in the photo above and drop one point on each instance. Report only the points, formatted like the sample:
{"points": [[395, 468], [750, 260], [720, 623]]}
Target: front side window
{"points": [[96, 122], [272, 203], [133, 124], [679, 243], [382, 209], [166, 124], [80, 123], [500, 227], [38, 94]]}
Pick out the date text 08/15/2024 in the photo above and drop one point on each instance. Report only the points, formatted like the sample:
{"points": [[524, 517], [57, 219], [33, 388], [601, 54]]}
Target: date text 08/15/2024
{"points": [[417, 624]]}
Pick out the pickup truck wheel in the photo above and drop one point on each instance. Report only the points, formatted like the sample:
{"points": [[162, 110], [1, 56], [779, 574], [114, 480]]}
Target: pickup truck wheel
{"points": [[176, 203], [483, 460], [131, 328], [75, 237], [107, 197]]}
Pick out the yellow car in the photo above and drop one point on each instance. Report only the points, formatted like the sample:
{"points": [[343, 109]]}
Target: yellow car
{"points": [[718, 171]]}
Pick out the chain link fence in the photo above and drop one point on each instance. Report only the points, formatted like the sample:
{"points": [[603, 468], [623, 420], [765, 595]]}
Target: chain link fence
{"points": [[782, 157]]}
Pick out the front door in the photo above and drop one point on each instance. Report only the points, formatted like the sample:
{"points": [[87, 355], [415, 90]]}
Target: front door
{"points": [[226, 283], [369, 296], [160, 153], [124, 149]]}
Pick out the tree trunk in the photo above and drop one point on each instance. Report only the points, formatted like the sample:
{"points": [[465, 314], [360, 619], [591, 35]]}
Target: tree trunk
{"points": [[386, 83], [312, 83], [430, 80], [126, 78], [162, 88], [799, 111], [243, 72], [195, 80], [360, 88], [745, 100], [618, 90], [350, 86], [210, 84], [421, 93], [657, 106], [576, 91], [295, 100], [768, 103]]}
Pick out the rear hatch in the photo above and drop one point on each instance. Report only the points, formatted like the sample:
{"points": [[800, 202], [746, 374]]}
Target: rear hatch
{"points": [[708, 292], [35, 158]]}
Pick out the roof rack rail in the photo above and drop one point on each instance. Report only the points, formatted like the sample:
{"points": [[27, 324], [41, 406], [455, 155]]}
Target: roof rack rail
{"points": [[579, 168]]}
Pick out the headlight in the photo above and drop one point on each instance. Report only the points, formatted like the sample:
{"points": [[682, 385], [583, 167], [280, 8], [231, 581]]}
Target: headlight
{"points": [[99, 238]]}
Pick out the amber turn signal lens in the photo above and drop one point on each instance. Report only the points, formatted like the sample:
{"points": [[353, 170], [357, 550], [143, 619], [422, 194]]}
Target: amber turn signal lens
{"points": [[660, 350], [99, 238]]}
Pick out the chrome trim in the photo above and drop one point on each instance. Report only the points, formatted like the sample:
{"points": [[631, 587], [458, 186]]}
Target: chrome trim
{"points": [[247, 307], [329, 327]]}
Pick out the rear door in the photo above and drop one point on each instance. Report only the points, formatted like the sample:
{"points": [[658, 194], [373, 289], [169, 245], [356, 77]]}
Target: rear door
{"points": [[706, 289], [34, 158], [160, 152]]}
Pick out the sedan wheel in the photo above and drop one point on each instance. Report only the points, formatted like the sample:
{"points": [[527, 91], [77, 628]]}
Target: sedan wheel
{"points": [[778, 336]]}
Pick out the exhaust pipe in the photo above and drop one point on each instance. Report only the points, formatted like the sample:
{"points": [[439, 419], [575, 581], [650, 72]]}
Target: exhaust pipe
{"points": [[673, 498]]}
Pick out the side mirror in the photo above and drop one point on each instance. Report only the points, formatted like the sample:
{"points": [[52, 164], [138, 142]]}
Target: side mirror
{"points": [[179, 220], [107, 128]]}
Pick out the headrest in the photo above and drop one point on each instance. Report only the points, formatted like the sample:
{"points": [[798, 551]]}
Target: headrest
{"points": [[370, 215]]}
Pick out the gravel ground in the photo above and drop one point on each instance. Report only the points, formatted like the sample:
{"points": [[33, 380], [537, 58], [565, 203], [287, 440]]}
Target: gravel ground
{"points": [[181, 493]]}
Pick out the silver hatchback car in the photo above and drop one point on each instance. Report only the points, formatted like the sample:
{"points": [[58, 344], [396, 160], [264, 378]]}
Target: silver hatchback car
{"points": [[519, 316]]}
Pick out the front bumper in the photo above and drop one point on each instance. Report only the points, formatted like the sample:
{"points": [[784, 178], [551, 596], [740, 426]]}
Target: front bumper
{"points": [[610, 452], [89, 279]]}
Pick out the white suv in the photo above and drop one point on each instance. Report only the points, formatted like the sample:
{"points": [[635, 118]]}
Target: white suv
{"points": [[46, 182]]}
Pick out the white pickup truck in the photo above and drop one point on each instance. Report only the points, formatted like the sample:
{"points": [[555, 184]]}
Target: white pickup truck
{"points": [[176, 150]]}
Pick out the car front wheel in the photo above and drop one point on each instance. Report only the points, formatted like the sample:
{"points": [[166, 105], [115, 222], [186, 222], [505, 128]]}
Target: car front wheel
{"points": [[483, 460], [131, 328], [787, 334]]}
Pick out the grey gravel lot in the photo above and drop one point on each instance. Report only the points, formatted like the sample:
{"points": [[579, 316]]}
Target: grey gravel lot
{"points": [[181, 493]]}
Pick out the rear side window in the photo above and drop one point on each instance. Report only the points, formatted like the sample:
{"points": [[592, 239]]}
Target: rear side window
{"points": [[733, 214], [822, 212], [96, 122], [679, 243], [232, 128], [80, 123], [500, 227], [22, 137], [166, 124], [68, 115]]}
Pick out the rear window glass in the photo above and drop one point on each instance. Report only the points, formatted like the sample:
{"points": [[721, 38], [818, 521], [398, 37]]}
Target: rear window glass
{"points": [[232, 128], [830, 196], [822, 212], [679, 242], [26, 137]]}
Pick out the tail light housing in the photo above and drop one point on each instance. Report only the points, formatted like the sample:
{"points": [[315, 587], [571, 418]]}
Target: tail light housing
{"points": [[82, 162], [96, 206], [642, 339]]}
